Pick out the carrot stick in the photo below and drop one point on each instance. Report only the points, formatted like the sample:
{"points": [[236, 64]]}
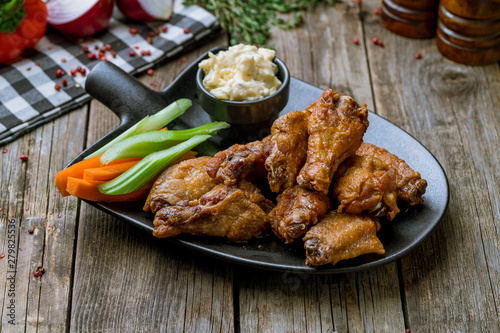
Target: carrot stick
{"points": [[107, 172], [89, 191], [77, 169]]}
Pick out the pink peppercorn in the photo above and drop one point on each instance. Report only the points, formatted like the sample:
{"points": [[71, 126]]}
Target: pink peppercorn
{"points": [[23, 158], [356, 41]]}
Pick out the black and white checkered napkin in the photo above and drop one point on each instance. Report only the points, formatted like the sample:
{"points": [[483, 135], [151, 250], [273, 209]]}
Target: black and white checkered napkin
{"points": [[28, 97]]}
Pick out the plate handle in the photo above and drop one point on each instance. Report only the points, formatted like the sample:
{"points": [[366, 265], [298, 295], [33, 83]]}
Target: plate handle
{"points": [[127, 97]]}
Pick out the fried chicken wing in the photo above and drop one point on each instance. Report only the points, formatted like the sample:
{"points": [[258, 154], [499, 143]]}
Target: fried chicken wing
{"points": [[288, 149], [297, 209], [366, 184], [240, 162], [185, 181], [409, 185], [237, 213], [341, 236], [336, 128]]}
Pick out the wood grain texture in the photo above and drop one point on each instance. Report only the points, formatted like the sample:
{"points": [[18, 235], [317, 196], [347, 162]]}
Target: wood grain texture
{"points": [[173, 291], [451, 282], [357, 302], [102, 275], [42, 303]]}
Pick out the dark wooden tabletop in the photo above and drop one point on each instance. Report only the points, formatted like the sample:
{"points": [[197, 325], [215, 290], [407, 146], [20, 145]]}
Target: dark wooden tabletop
{"points": [[103, 275]]}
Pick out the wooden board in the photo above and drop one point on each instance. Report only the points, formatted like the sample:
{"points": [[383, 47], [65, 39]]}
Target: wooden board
{"points": [[30, 203]]}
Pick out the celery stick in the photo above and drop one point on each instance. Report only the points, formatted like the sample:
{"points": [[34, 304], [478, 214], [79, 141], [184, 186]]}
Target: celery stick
{"points": [[150, 123], [146, 143], [148, 168]]}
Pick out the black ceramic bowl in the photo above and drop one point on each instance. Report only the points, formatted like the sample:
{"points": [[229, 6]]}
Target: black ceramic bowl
{"points": [[246, 117]]}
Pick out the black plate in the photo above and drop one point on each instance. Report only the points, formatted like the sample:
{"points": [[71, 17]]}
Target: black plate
{"points": [[131, 101]]}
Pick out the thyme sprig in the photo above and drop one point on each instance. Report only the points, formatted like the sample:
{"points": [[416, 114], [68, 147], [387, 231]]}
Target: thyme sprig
{"points": [[251, 20]]}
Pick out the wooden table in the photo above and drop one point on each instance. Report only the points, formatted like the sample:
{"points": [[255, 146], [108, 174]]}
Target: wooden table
{"points": [[104, 275]]}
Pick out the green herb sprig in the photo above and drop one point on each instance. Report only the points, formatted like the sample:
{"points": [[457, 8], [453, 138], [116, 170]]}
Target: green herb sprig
{"points": [[251, 20]]}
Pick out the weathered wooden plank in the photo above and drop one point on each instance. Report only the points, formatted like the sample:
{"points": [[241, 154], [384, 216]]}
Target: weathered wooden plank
{"points": [[33, 207], [451, 282], [171, 291], [13, 306], [322, 52]]}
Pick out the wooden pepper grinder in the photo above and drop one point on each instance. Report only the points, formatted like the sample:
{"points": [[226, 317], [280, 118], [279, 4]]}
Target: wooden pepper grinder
{"points": [[468, 31], [410, 18]]}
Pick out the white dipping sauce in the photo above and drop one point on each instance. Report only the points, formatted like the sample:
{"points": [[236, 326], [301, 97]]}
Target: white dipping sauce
{"points": [[242, 73]]}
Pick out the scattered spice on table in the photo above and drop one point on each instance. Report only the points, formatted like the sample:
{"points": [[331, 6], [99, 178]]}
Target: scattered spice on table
{"points": [[39, 272], [31, 231], [23, 157], [2, 255], [418, 55]]}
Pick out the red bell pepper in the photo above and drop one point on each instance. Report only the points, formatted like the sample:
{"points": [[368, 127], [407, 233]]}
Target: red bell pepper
{"points": [[22, 25]]}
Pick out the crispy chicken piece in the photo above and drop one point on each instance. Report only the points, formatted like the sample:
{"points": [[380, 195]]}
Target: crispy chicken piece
{"points": [[409, 185], [366, 184], [185, 181], [237, 213], [341, 236], [297, 209], [240, 162], [336, 128], [288, 149]]}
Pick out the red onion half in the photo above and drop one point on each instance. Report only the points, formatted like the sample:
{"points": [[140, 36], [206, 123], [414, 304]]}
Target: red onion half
{"points": [[80, 18], [146, 10]]}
